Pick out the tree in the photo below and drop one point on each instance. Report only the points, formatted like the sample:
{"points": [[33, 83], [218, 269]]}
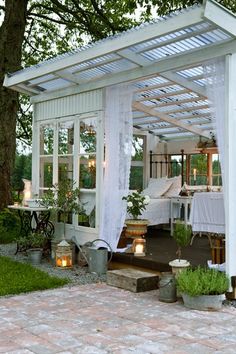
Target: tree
{"points": [[33, 30]]}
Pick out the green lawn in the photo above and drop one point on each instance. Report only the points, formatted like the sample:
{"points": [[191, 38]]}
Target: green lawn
{"points": [[16, 278]]}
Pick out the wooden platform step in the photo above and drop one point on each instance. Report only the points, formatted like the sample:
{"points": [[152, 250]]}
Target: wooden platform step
{"points": [[132, 279]]}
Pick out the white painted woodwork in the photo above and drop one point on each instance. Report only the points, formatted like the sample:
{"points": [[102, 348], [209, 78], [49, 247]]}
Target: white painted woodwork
{"points": [[230, 166], [69, 105], [141, 107]]}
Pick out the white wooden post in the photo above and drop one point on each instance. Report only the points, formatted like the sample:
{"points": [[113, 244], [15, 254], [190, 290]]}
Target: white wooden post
{"points": [[230, 164]]}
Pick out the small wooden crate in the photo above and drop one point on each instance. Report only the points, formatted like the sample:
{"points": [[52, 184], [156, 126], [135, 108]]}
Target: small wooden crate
{"points": [[132, 280]]}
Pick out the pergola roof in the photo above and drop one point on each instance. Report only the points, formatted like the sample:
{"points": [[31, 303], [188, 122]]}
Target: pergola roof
{"points": [[164, 60]]}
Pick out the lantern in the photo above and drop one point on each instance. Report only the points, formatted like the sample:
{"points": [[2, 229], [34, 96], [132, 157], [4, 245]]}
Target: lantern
{"points": [[64, 255], [139, 247]]}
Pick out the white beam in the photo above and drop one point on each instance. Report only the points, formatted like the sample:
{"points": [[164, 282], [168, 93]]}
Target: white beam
{"points": [[229, 165], [170, 63], [185, 83], [177, 102], [220, 16], [141, 107], [110, 45], [134, 58], [164, 95]]}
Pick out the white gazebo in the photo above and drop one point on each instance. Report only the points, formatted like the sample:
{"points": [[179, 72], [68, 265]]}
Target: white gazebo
{"points": [[163, 74]]}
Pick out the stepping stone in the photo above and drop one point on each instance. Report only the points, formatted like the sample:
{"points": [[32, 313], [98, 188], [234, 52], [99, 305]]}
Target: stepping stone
{"points": [[132, 279]]}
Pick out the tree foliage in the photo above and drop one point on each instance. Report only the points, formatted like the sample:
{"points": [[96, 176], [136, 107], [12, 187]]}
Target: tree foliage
{"points": [[32, 31]]}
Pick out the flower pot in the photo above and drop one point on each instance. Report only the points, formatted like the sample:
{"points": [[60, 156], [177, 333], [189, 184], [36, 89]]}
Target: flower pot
{"points": [[35, 255], [136, 228], [178, 265], [204, 302]]}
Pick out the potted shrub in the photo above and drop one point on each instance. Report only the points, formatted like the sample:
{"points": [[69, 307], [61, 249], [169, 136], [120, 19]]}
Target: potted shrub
{"points": [[182, 236], [63, 198], [33, 244], [136, 204], [203, 288]]}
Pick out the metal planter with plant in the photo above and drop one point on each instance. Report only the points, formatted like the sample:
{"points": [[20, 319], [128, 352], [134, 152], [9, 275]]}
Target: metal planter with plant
{"points": [[203, 288]]}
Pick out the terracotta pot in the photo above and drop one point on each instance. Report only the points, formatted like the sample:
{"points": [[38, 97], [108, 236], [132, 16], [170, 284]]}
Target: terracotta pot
{"points": [[136, 228]]}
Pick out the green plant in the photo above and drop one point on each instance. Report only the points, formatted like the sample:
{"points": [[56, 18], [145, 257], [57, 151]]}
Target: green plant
{"points": [[35, 239], [136, 204], [9, 226], [202, 281], [16, 278], [63, 198], [182, 236]]}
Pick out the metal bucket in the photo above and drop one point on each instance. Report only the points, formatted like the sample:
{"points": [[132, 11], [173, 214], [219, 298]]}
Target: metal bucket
{"points": [[98, 258], [167, 287]]}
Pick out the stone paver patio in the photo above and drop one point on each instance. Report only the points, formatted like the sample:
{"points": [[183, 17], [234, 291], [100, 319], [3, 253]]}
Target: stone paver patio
{"points": [[99, 319]]}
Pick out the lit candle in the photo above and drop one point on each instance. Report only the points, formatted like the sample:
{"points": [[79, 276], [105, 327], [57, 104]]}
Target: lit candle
{"points": [[139, 249], [64, 263], [194, 174]]}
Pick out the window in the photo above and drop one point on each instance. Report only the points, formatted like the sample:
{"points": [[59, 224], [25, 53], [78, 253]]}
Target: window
{"points": [[87, 169], [137, 163]]}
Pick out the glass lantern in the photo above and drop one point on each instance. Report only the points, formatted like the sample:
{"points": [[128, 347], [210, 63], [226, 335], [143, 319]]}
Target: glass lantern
{"points": [[139, 247], [63, 255]]}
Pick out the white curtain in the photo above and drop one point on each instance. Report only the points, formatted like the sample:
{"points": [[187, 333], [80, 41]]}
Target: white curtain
{"points": [[214, 71], [118, 148]]}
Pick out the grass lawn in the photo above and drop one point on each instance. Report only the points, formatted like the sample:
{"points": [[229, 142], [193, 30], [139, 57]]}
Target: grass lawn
{"points": [[16, 278]]}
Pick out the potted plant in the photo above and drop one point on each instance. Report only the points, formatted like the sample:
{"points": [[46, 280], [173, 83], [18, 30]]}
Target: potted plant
{"points": [[203, 288], [33, 244], [182, 235], [63, 199], [136, 204]]}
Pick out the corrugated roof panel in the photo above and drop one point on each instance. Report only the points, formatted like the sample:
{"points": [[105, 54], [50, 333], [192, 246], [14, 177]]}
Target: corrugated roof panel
{"points": [[52, 85]]}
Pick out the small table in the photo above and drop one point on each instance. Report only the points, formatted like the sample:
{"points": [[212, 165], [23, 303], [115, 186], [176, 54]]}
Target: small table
{"points": [[180, 201], [34, 219]]}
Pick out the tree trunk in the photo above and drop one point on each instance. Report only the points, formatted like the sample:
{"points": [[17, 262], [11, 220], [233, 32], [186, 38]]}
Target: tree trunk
{"points": [[11, 39]]}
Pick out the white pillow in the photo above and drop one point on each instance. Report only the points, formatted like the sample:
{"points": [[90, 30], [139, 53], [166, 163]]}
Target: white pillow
{"points": [[175, 188], [157, 187]]}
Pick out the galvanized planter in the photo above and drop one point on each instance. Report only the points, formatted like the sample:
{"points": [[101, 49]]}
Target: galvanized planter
{"points": [[204, 302]]}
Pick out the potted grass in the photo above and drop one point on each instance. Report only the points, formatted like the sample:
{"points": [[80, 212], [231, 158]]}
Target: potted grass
{"points": [[182, 236], [202, 288]]}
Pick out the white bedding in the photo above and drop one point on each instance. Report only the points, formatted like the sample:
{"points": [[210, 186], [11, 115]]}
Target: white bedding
{"points": [[157, 211]]}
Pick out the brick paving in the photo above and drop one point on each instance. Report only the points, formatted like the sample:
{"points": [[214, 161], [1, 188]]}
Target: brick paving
{"points": [[99, 319]]}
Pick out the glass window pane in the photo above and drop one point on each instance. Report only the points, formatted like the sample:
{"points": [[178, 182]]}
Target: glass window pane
{"points": [[136, 177], [65, 168], [87, 217], [66, 138], [87, 177], [137, 148], [46, 172], [88, 135], [46, 140]]}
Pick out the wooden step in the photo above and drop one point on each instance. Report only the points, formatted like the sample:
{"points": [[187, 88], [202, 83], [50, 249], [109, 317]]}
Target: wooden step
{"points": [[132, 279]]}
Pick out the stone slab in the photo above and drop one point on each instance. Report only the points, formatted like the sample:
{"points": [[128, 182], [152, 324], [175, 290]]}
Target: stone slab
{"points": [[132, 279]]}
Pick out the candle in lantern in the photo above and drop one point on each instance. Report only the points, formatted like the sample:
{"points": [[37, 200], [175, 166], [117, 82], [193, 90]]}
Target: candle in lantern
{"points": [[139, 249], [194, 174], [64, 263]]}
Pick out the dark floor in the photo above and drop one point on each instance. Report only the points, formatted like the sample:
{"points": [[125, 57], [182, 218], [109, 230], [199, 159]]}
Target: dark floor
{"points": [[161, 248]]}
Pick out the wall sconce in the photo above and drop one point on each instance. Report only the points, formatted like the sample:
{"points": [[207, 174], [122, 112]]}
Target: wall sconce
{"points": [[64, 255], [139, 247]]}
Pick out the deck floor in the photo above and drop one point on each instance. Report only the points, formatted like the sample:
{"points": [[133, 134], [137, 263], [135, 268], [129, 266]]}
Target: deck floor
{"points": [[161, 248]]}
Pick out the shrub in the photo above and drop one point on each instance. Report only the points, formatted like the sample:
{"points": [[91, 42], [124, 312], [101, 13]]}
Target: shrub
{"points": [[9, 226], [202, 281], [182, 236]]}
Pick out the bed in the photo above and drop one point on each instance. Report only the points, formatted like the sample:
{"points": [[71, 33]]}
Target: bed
{"points": [[160, 191]]}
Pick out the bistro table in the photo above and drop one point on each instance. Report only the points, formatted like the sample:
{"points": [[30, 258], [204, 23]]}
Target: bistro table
{"points": [[34, 219]]}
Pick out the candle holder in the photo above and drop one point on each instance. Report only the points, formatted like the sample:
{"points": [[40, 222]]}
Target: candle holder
{"points": [[63, 255], [139, 247]]}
